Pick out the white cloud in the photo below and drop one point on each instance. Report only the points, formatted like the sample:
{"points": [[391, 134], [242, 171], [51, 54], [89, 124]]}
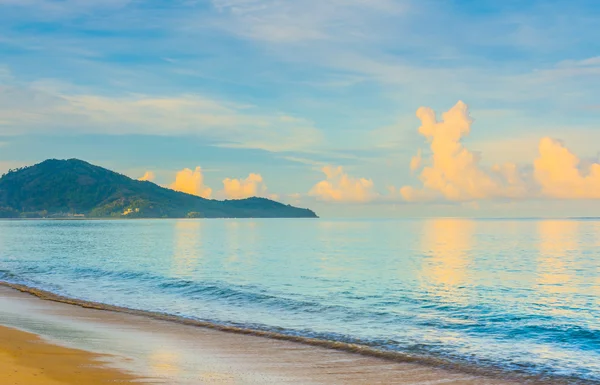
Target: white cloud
{"points": [[276, 21], [39, 108], [52, 10], [396, 43], [568, 69]]}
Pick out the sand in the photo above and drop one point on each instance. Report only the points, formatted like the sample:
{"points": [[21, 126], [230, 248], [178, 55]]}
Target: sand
{"points": [[132, 346], [25, 359]]}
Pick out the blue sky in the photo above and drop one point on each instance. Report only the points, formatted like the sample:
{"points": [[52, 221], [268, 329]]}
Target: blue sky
{"points": [[285, 88]]}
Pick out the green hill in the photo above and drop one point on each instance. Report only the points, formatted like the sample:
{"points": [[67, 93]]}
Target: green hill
{"points": [[67, 188]]}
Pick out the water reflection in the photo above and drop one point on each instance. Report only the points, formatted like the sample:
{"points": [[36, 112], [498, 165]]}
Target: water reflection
{"points": [[447, 243], [232, 230], [405, 283], [183, 365], [591, 266], [164, 363], [331, 261], [242, 246], [187, 247], [558, 244]]}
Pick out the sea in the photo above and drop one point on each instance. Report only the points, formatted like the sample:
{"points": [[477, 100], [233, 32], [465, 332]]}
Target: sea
{"points": [[516, 296]]}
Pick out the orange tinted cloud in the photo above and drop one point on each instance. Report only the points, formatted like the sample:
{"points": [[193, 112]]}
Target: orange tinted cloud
{"points": [[148, 176], [252, 186], [341, 187], [453, 172], [417, 161], [559, 173], [191, 182]]}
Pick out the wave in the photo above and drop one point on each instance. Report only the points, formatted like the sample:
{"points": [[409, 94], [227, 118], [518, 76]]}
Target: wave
{"points": [[476, 319], [356, 348], [383, 348]]}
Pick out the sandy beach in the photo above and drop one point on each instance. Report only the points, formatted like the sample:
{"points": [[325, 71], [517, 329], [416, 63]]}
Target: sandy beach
{"points": [[25, 359], [60, 343]]}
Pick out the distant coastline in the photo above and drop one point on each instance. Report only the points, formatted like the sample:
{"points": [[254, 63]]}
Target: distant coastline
{"points": [[146, 219], [75, 189]]}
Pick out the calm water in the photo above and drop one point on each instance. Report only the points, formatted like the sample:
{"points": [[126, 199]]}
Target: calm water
{"points": [[516, 294]]}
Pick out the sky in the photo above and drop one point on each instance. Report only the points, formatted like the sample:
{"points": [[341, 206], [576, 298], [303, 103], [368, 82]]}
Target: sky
{"points": [[354, 108]]}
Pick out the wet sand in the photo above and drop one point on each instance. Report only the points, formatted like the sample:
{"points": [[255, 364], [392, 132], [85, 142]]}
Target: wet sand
{"points": [[25, 359], [161, 351]]}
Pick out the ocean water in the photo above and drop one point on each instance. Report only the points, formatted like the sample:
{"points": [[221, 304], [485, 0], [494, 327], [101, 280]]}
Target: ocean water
{"points": [[516, 295]]}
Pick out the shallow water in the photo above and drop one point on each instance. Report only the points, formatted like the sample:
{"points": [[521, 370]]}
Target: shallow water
{"points": [[522, 295]]}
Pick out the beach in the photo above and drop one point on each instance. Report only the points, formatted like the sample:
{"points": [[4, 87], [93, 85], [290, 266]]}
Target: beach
{"points": [[272, 192], [58, 343], [26, 359]]}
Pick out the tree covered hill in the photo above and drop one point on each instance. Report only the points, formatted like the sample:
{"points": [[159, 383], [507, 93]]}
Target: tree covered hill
{"points": [[63, 188]]}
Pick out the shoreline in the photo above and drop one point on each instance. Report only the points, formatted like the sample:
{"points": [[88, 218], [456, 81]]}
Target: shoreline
{"points": [[391, 358]]}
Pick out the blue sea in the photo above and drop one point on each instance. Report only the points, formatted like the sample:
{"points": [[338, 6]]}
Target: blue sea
{"points": [[515, 295]]}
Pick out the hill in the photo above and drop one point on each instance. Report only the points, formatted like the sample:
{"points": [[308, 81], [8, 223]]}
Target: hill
{"points": [[67, 188]]}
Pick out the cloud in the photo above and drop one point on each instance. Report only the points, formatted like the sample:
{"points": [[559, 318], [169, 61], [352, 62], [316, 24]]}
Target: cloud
{"points": [[452, 171], [191, 182], [392, 43], [148, 176], [275, 21], [341, 187], [559, 174], [66, 7], [294, 199], [50, 107], [252, 186], [588, 68], [416, 161]]}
